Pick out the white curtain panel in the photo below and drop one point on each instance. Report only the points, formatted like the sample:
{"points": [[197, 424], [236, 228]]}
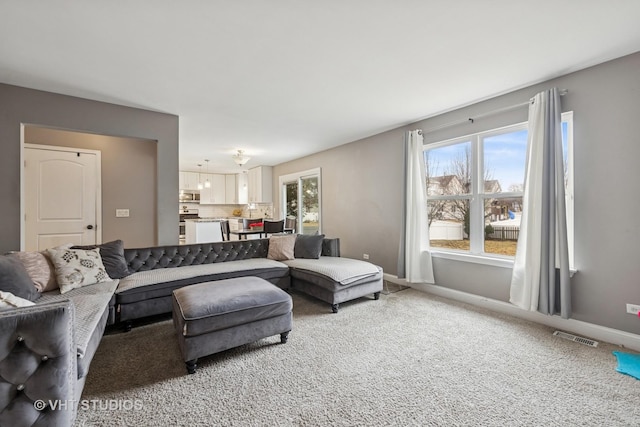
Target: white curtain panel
{"points": [[418, 267], [540, 279]]}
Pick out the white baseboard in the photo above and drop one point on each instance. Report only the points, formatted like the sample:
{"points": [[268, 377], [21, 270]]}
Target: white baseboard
{"points": [[587, 330]]}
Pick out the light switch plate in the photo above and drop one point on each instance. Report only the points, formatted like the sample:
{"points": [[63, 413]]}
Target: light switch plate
{"points": [[633, 309], [122, 213]]}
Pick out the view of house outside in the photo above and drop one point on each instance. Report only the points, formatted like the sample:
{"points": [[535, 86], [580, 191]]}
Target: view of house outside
{"points": [[450, 168]]}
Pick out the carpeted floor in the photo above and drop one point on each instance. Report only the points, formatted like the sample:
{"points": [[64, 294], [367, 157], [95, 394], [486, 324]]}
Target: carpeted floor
{"points": [[408, 359]]}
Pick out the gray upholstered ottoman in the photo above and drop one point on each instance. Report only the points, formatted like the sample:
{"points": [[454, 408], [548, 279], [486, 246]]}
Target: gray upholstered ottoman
{"points": [[215, 316]]}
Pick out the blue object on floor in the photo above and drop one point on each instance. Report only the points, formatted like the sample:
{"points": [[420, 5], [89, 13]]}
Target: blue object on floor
{"points": [[628, 364]]}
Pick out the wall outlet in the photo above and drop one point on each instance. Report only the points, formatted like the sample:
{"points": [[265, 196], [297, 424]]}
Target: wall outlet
{"points": [[365, 256], [633, 309], [122, 213]]}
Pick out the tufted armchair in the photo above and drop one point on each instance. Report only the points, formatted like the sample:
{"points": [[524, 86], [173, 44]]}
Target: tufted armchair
{"points": [[38, 364]]}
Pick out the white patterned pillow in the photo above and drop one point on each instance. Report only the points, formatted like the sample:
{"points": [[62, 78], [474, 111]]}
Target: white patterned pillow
{"points": [[9, 300], [77, 267]]}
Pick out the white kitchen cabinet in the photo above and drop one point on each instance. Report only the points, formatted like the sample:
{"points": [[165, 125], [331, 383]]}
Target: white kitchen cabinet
{"points": [[188, 180], [231, 190], [218, 189], [205, 193], [236, 189], [243, 188], [215, 193], [260, 184]]}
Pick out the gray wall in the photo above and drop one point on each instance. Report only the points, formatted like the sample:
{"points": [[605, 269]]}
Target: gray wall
{"points": [[128, 180], [362, 182], [27, 106]]}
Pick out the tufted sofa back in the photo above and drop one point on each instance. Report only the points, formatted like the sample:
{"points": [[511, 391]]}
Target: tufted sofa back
{"points": [[143, 259]]}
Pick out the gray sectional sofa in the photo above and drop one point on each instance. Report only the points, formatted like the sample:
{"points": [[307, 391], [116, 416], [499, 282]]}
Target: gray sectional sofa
{"points": [[47, 348]]}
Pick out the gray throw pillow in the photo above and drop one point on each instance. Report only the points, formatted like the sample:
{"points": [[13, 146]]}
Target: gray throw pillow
{"points": [[15, 279], [308, 246], [112, 254]]}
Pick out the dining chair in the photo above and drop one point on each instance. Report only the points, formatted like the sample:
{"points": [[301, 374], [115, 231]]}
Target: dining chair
{"points": [[271, 227], [226, 230], [290, 224]]}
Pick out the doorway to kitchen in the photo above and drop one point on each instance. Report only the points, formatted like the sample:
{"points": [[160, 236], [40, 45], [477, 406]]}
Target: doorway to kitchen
{"points": [[301, 200]]}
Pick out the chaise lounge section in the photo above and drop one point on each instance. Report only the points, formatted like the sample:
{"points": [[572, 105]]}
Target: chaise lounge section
{"points": [[334, 279]]}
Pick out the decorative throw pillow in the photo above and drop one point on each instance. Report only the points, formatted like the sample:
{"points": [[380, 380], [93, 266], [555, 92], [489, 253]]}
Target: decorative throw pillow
{"points": [[112, 254], [281, 247], [39, 268], [308, 246], [9, 300], [77, 267], [15, 279]]}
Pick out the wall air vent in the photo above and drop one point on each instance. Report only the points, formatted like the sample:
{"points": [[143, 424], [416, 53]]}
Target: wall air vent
{"points": [[575, 338]]}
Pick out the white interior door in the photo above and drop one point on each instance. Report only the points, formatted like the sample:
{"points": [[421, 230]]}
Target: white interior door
{"points": [[61, 189]]}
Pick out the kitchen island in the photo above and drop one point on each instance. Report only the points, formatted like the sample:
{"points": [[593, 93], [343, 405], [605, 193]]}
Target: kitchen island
{"points": [[203, 230]]}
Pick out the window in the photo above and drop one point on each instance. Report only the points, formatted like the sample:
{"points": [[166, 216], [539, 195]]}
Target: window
{"points": [[475, 188], [300, 196]]}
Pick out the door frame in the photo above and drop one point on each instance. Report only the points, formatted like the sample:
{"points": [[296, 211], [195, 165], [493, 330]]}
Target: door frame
{"points": [[298, 176], [98, 189]]}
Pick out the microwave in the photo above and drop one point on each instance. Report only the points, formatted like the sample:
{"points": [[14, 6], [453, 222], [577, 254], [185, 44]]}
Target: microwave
{"points": [[189, 196]]}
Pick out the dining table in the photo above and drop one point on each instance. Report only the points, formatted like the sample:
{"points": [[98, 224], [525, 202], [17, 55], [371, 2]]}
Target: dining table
{"points": [[244, 232]]}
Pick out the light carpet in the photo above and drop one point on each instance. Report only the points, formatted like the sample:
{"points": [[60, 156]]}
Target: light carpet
{"points": [[408, 359]]}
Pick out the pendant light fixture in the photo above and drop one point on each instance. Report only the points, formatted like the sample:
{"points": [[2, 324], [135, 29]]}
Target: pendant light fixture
{"points": [[207, 183], [240, 158], [200, 186]]}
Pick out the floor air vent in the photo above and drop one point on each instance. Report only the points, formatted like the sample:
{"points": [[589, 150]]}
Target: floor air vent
{"points": [[575, 338]]}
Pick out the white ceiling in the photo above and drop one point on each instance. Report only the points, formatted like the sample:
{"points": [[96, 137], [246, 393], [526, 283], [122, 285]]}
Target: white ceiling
{"points": [[282, 79]]}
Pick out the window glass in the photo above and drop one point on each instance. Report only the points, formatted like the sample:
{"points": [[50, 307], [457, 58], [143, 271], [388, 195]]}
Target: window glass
{"points": [[505, 156], [449, 223], [504, 161], [502, 225], [565, 152], [310, 205], [448, 169], [291, 199]]}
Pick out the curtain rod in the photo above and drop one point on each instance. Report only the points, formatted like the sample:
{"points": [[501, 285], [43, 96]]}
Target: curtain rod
{"points": [[563, 92]]}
